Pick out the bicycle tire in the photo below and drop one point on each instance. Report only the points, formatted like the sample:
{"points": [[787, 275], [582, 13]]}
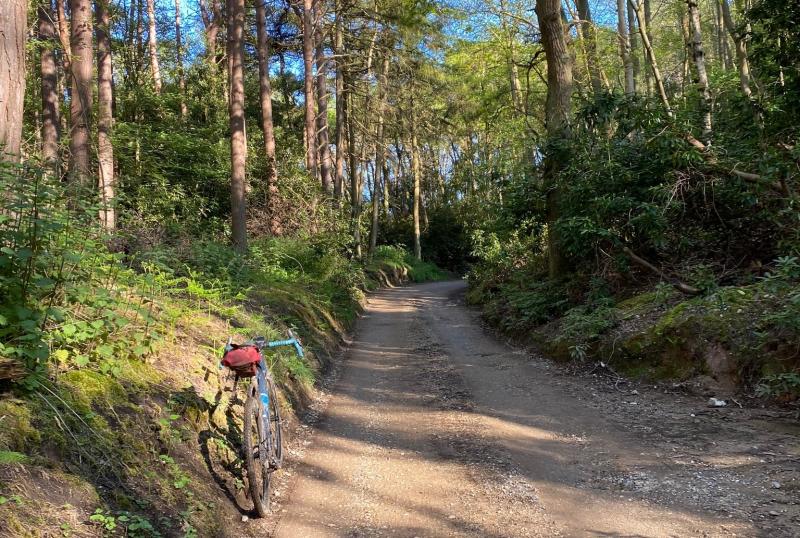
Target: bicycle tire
{"points": [[256, 460], [276, 437]]}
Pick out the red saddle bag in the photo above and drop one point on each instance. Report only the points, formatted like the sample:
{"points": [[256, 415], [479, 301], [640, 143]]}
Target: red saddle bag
{"points": [[242, 360]]}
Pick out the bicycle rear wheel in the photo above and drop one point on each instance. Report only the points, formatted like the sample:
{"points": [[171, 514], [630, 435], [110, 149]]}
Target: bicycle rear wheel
{"points": [[256, 445]]}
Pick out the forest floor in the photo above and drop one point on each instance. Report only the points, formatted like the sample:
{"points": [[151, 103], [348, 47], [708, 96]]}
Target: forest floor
{"points": [[430, 426]]}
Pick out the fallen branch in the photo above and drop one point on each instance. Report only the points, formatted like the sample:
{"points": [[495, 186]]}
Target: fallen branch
{"points": [[676, 282], [780, 188]]}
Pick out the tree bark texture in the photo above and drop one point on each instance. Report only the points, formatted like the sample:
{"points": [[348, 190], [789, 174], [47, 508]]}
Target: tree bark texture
{"points": [[341, 103], [558, 109], [152, 43], [82, 98], [625, 48], [13, 30], [105, 116], [236, 14], [355, 180], [267, 126], [379, 178], [51, 122], [308, 87], [634, 52], [698, 55], [179, 59], [323, 138]]}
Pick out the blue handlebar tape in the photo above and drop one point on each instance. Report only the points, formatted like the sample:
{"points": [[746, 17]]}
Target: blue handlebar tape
{"points": [[291, 342]]}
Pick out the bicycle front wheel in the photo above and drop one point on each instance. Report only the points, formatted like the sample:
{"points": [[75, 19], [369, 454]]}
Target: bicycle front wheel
{"points": [[276, 435], [256, 445]]}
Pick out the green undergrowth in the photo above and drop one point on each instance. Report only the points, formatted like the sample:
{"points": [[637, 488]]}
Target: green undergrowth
{"points": [[399, 262], [744, 336], [110, 394]]}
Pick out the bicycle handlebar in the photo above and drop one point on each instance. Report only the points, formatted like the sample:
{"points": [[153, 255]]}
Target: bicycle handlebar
{"points": [[260, 342]]}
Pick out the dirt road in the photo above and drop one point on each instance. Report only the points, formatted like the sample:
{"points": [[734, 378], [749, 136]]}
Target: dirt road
{"points": [[436, 428]]}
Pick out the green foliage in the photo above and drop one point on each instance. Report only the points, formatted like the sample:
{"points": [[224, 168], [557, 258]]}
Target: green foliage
{"points": [[785, 385], [8, 457]]}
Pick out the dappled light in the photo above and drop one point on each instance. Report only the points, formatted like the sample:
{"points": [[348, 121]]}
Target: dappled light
{"points": [[350, 268]]}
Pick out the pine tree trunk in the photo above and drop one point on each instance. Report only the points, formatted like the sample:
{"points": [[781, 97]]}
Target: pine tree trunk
{"points": [[13, 30], [698, 55], [81, 105], [379, 178], [63, 35], [355, 181], [105, 116], [236, 15], [152, 43], [625, 48], [179, 59], [310, 104], [322, 108], [267, 127], [51, 122], [139, 31], [211, 16], [341, 103]]}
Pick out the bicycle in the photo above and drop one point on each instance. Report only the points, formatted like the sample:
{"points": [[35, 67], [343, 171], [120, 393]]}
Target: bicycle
{"points": [[262, 442]]}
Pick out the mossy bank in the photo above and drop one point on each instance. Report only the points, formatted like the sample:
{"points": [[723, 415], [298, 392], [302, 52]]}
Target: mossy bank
{"points": [[128, 427]]}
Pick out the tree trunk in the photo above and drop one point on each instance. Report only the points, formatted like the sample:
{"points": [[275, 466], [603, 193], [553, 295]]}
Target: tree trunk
{"points": [[211, 16], [267, 127], [687, 52], [634, 52], [322, 107], [179, 59], [14, 25], [558, 110], [152, 43], [625, 48], [416, 173], [648, 70], [644, 32], [63, 33], [355, 181], [105, 116], [51, 123], [236, 14], [590, 36], [81, 104], [379, 178], [341, 103], [310, 106], [700, 65], [741, 50], [139, 30]]}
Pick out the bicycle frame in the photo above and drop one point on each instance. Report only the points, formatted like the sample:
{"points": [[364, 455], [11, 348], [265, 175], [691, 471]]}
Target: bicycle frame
{"points": [[262, 371]]}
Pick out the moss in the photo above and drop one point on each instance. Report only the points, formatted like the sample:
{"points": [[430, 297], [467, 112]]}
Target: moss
{"points": [[16, 432], [7, 457], [672, 318], [638, 303], [139, 374], [87, 388]]}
